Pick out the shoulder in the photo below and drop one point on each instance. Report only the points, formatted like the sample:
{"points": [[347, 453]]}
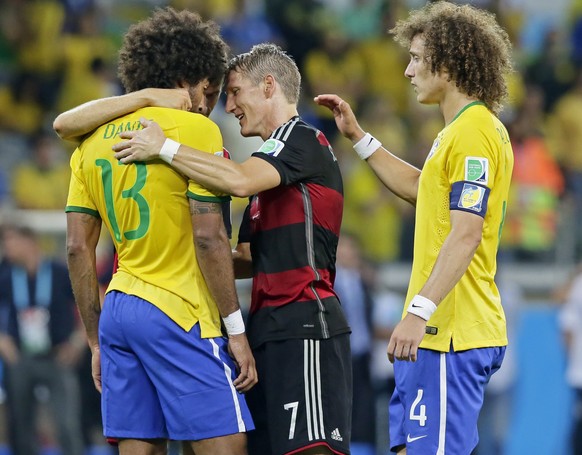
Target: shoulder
{"points": [[297, 133], [170, 117]]}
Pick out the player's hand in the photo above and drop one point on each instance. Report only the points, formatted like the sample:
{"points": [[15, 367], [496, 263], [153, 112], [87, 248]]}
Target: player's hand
{"points": [[406, 338], [96, 367], [174, 98], [141, 145], [344, 117], [240, 351]]}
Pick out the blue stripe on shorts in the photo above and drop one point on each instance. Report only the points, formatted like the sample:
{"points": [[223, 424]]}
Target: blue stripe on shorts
{"points": [[162, 382], [437, 399]]}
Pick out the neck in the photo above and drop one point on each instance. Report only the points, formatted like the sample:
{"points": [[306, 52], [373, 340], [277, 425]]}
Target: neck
{"points": [[453, 103], [279, 117]]}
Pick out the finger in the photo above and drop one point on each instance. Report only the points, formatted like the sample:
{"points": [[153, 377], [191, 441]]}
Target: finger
{"points": [[128, 159], [122, 145], [245, 385], [145, 122], [390, 351], [413, 353], [248, 383], [241, 376], [129, 134], [188, 103]]}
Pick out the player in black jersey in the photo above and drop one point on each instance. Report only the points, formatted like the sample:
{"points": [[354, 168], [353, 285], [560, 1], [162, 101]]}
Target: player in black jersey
{"points": [[297, 329]]}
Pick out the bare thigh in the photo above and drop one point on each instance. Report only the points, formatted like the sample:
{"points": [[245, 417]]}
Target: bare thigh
{"points": [[232, 444], [143, 447]]}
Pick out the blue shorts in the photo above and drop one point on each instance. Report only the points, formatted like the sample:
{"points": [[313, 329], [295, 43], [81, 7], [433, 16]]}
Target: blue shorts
{"points": [[162, 382], [437, 399]]}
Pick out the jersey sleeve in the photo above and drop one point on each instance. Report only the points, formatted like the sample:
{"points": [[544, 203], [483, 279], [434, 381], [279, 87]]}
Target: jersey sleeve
{"points": [[79, 199], [471, 168], [295, 159], [244, 232], [214, 140]]}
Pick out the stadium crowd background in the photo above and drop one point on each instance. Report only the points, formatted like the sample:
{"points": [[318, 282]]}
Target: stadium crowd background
{"points": [[56, 54]]}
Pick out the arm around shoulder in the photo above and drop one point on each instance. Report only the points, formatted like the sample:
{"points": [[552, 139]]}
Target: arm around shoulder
{"points": [[75, 124]]}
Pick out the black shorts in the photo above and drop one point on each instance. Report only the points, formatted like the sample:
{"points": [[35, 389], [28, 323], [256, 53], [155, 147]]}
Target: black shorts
{"points": [[303, 398]]}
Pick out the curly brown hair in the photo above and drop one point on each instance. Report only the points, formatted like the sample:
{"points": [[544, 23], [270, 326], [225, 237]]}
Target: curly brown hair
{"points": [[465, 42], [170, 48]]}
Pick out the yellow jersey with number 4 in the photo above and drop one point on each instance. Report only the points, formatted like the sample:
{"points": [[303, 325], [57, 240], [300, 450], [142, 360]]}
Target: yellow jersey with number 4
{"points": [[468, 168], [146, 210]]}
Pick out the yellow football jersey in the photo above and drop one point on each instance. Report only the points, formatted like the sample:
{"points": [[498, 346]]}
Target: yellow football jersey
{"points": [[468, 168], [146, 210]]}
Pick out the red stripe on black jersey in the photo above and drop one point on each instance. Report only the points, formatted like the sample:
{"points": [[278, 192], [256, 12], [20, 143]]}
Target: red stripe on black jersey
{"points": [[284, 205], [294, 235], [276, 289]]}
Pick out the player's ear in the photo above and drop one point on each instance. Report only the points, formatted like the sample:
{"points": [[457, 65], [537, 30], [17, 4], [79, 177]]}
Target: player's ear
{"points": [[269, 85]]}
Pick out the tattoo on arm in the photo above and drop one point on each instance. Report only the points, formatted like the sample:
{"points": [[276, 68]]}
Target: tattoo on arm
{"points": [[203, 208]]}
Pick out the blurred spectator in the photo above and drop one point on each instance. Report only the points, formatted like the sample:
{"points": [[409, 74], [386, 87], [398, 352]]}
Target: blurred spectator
{"points": [[3, 188], [34, 29], [496, 413], [356, 298], [334, 67], [42, 183], [87, 61], [298, 21], [387, 312], [40, 342], [21, 111], [551, 69], [362, 19], [247, 26], [384, 62], [565, 141], [570, 323], [365, 196], [537, 183]]}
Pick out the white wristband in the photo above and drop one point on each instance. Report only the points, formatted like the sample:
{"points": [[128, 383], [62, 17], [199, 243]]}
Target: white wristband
{"points": [[366, 146], [422, 307], [169, 149], [234, 323]]}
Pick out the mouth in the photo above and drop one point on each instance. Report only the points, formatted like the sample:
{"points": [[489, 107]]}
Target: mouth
{"points": [[239, 117]]}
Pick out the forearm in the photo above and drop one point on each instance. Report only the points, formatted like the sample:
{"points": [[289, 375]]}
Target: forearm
{"points": [[83, 276], [212, 172], [75, 123], [452, 263], [397, 175], [215, 261]]}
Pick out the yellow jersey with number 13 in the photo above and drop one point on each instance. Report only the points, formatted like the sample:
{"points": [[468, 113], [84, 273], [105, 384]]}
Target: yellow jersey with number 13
{"points": [[146, 210], [468, 168]]}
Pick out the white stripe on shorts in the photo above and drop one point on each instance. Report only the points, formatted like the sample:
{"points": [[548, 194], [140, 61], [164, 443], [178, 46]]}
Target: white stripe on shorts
{"points": [[312, 380], [443, 404], [228, 374]]}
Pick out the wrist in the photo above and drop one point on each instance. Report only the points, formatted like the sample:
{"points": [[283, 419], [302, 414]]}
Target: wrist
{"points": [[366, 146], [421, 307], [169, 150], [357, 135], [234, 324]]}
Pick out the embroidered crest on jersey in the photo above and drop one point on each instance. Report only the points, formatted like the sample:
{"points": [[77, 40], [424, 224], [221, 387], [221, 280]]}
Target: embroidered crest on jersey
{"points": [[477, 169], [271, 147], [471, 197]]}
